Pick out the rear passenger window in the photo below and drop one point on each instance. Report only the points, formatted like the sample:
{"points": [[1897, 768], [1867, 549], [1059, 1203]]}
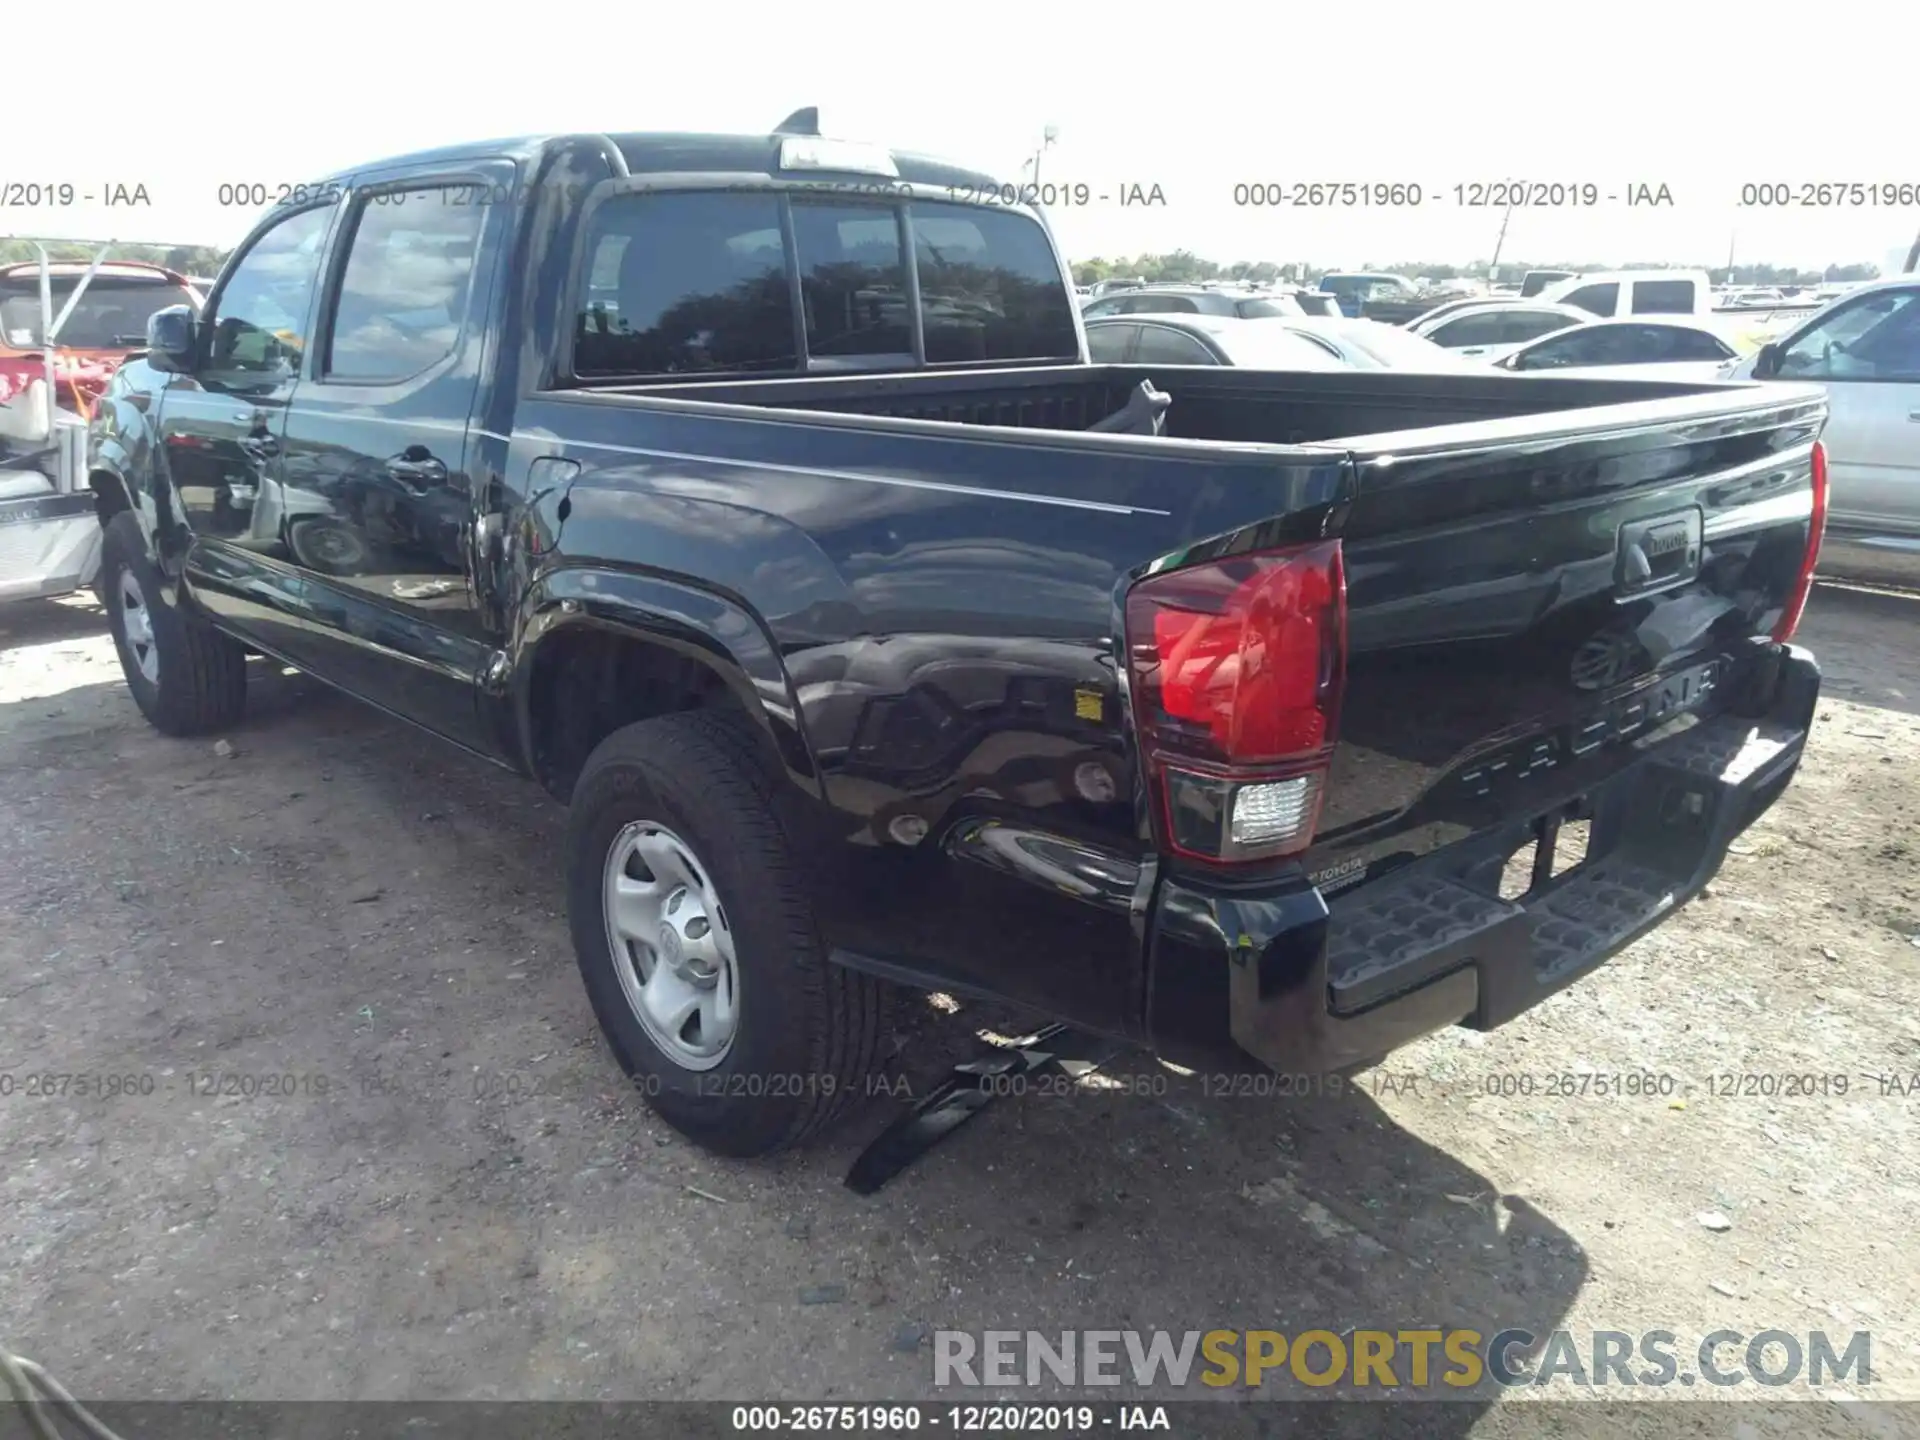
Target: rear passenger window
{"points": [[1696, 345], [990, 287], [403, 295], [1663, 297], [853, 280], [681, 283], [1161, 346]]}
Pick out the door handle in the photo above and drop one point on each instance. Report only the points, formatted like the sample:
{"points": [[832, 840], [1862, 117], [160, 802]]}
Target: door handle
{"points": [[1913, 415], [418, 473]]}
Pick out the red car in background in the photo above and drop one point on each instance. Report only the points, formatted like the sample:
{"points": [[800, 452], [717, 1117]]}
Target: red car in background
{"points": [[108, 324]]}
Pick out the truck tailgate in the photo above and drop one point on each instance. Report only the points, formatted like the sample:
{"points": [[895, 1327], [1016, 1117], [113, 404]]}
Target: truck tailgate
{"points": [[1527, 598]]}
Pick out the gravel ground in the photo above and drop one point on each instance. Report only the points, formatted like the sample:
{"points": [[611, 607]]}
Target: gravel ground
{"points": [[473, 1208]]}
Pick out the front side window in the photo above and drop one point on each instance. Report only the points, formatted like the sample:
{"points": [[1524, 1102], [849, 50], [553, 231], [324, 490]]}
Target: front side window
{"points": [[260, 318], [1523, 325], [1486, 329], [1600, 299], [1598, 346], [684, 283], [1875, 338], [403, 294]]}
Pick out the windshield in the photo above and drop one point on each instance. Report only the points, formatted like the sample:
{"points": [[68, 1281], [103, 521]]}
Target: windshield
{"points": [[111, 315]]}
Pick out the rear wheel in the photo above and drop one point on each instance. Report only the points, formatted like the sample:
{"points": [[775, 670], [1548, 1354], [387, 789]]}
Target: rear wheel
{"points": [[186, 677], [697, 942]]}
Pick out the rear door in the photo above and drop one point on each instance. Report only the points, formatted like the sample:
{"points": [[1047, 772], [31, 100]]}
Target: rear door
{"points": [[1867, 354]]}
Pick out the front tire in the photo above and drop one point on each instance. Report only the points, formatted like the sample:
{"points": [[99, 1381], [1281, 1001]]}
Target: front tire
{"points": [[697, 942], [186, 677]]}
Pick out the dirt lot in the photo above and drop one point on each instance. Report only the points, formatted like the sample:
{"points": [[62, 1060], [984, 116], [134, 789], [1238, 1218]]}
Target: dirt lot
{"points": [[475, 1209]]}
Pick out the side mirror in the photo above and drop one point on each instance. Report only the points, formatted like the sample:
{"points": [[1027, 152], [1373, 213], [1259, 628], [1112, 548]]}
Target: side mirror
{"points": [[172, 336], [1766, 364]]}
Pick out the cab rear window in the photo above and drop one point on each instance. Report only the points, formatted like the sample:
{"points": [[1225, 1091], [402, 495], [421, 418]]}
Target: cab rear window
{"points": [[709, 282]]}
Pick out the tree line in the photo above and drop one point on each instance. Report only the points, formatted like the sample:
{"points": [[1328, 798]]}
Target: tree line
{"points": [[1185, 267]]}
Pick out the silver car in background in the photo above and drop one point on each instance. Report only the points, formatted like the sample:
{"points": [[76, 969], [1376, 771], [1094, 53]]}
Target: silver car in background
{"points": [[1489, 327], [1865, 349], [1284, 343]]}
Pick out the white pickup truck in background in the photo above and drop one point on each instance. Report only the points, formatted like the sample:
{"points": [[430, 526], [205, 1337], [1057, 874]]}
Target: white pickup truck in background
{"points": [[1615, 294]]}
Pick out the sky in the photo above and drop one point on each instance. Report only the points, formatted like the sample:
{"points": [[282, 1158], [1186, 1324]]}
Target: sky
{"points": [[1216, 96]]}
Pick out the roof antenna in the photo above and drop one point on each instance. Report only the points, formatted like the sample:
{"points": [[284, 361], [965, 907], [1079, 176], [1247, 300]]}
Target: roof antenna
{"points": [[800, 122]]}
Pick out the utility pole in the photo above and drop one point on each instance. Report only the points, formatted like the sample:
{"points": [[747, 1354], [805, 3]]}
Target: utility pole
{"points": [[1493, 267], [1913, 258], [1047, 137], [1732, 240]]}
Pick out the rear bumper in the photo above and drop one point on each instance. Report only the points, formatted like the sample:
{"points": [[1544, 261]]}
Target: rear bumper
{"points": [[1305, 984]]}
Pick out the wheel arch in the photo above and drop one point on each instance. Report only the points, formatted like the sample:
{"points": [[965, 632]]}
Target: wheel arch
{"points": [[599, 649]]}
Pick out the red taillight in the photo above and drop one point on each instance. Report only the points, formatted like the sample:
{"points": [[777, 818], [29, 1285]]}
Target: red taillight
{"points": [[1236, 670], [1816, 528]]}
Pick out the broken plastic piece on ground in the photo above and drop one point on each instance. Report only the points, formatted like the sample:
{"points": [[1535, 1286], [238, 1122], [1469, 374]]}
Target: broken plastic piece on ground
{"points": [[964, 1095]]}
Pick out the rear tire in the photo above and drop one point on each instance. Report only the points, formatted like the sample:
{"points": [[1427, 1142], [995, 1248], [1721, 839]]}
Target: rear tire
{"points": [[674, 818], [186, 677]]}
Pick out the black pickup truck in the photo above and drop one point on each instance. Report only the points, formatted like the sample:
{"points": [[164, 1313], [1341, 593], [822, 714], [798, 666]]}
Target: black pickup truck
{"points": [[755, 495]]}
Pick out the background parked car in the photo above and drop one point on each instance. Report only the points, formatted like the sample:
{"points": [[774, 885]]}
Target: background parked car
{"points": [[1536, 281], [1204, 340], [1650, 349], [1354, 344], [108, 324], [1195, 300], [1370, 345], [1488, 327], [1615, 294], [1354, 290], [1865, 348]]}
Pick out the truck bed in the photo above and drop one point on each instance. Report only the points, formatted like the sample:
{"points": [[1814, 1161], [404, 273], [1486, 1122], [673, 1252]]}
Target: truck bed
{"points": [[1241, 406]]}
